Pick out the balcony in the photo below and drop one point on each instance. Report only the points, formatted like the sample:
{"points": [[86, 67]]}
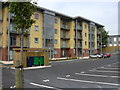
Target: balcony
{"points": [[98, 32], [79, 37], [65, 37], [65, 46], [65, 27], [79, 28], [49, 45], [14, 31], [79, 46]]}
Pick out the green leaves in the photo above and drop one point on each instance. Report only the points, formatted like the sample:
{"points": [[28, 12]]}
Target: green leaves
{"points": [[22, 12], [104, 37]]}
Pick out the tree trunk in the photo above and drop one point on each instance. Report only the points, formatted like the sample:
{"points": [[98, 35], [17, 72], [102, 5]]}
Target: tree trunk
{"points": [[21, 52]]}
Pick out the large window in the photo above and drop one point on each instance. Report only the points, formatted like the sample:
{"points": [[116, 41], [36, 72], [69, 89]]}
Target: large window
{"points": [[13, 40], [56, 31], [36, 40], [56, 20], [55, 41], [36, 28], [36, 16]]}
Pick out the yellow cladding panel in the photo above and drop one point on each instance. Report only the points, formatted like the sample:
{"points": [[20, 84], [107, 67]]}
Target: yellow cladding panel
{"points": [[57, 36], [4, 27], [36, 34], [72, 34], [85, 35], [95, 37]]}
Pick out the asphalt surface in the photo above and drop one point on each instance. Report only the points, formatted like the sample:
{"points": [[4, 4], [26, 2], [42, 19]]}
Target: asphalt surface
{"points": [[102, 73]]}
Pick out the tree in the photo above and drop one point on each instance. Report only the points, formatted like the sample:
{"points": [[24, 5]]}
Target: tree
{"points": [[104, 37], [21, 17]]}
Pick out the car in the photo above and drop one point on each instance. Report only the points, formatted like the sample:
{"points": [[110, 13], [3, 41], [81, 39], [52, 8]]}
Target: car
{"points": [[97, 55], [106, 55]]}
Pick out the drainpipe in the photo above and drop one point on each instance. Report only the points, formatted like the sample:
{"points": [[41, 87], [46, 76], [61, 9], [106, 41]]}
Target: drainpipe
{"points": [[8, 36], [76, 40]]}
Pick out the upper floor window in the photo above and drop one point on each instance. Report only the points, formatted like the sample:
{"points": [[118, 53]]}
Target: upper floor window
{"points": [[115, 39], [36, 28], [36, 16], [36, 40], [55, 41], [85, 34], [56, 20], [13, 40], [56, 31], [85, 42]]}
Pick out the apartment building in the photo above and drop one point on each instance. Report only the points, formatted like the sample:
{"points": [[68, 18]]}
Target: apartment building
{"points": [[114, 40], [63, 35]]}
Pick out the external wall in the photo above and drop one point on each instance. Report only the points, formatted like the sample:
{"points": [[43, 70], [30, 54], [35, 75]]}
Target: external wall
{"points": [[95, 39], [85, 39], [36, 34]]}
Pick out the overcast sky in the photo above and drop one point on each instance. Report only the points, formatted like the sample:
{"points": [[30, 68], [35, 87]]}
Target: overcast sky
{"points": [[104, 12]]}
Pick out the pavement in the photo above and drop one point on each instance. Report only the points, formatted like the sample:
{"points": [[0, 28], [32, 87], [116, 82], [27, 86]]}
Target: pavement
{"points": [[91, 74]]}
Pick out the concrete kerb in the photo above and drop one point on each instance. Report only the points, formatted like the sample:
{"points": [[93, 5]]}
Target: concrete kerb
{"points": [[35, 67]]}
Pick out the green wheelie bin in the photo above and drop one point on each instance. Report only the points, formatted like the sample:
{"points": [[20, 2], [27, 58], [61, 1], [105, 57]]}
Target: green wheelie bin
{"points": [[42, 60], [36, 61]]}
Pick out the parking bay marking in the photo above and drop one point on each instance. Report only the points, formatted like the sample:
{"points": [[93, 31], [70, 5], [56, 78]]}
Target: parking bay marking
{"points": [[108, 68], [105, 83], [97, 75], [44, 86], [104, 71]]}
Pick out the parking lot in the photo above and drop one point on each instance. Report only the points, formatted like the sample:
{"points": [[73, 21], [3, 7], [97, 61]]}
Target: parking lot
{"points": [[100, 73]]}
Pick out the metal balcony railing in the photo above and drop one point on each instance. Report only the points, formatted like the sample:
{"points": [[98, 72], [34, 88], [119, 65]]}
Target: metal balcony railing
{"points": [[65, 27], [65, 36], [78, 28], [65, 46]]}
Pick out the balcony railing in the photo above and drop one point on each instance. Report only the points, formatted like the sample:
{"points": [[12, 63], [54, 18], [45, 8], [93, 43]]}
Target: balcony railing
{"points": [[78, 37], [78, 28], [79, 46], [65, 46], [65, 37], [49, 45], [65, 27], [14, 31]]}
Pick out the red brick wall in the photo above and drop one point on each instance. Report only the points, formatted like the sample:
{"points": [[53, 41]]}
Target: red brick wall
{"points": [[86, 53], [71, 53]]}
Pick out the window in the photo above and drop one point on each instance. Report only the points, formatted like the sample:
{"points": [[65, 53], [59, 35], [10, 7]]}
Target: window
{"points": [[13, 40], [56, 20], [36, 16], [110, 44], [55, 41], [36, 40], [55, 51], [119, 39], [85, 34], [56, 31], [36, 28], [115, 39], [115, 44], [85, 42]]}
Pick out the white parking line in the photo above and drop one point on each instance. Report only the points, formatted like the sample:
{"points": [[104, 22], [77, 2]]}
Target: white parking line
{"points": [[103, 71], [104, 83], [110, 68], [44, 86], [97, 75]]}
